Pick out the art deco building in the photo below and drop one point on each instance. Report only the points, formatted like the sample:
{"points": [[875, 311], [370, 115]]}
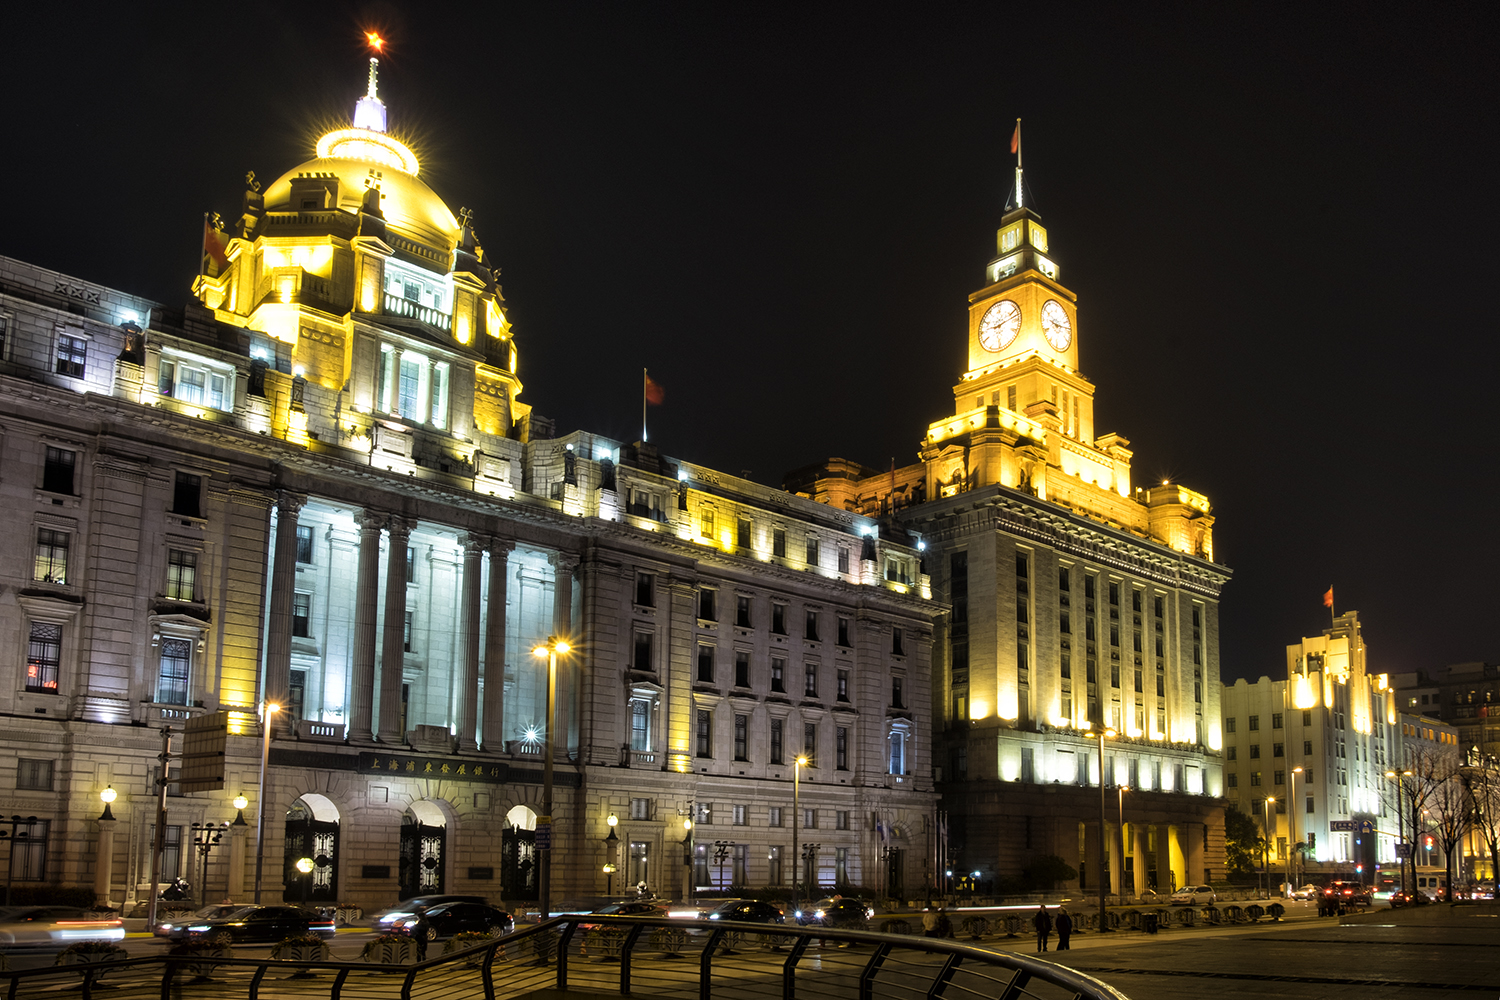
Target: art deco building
{"points": [[316, 486], [1079, 603]]}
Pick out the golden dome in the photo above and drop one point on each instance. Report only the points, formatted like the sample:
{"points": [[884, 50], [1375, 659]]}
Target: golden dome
{"points": [[410, 206]]}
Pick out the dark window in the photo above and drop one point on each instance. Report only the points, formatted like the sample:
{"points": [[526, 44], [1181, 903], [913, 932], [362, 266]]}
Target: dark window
{"points": [[304, 543], [1278, 750], [778, 542], [645, 587], [51, 564], [843, 559], [1062, 578], [843, 632], [741, 668], [72, 353], [1114, 635], [1088, 586], [1065, 623], [1065, 666], [187, 495], [811, 687], [1276, 720], [1114, 593], [778, 619], [57, 471], [1023, 567], [172, 679], [1307, 746], [1135, 600], [841, 750], [705, 664], [741, 737], [301, 613], [776, 728], [810, 742], [898, 646], [742, 537], [1197, 616], [812, 626], [1307, 717], [708, 604], [182, 575], [1228, 722], [1139, 689], [406, 631], [28, 852], [1254, 723], [813, 552], [34, 774], [843, 681], [1158, 607], [896, 699], [643, 659], [705, 733], [43, 656], [411, 565], [778, 674], [1255, 751], [742, 612]]}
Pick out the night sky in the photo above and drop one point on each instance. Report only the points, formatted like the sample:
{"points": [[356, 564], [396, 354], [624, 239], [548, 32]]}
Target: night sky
{"points": [[1280, 227]]}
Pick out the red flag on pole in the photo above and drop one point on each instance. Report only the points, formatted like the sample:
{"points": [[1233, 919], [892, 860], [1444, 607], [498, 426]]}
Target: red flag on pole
{"points": [[654, 392], [1015, 138], [212, 246], [1328, 598]]}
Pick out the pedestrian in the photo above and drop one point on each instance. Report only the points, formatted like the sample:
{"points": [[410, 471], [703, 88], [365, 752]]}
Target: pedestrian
{"points": [[420, 928], [945, 926], [1043, 923], [1064, 925], [930, 923]]}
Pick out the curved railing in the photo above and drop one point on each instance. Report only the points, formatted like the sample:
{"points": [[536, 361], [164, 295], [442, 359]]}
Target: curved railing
{"points": [[662, 958]]}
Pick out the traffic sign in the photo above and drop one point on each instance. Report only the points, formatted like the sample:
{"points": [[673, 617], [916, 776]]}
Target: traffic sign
{"points": [[1345, 825], [1366, 827], [544, 833], [1403, 851]]}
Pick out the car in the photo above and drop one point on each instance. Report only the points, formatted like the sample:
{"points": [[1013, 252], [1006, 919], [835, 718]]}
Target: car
{"points": [[447, 919], [836, 911], [174, 925], [254, 923], [1340, 895], [55, 927], [1308, 891], [748, 911], [1194, 895], [1399, 899], [630, 908], [387, 919]]}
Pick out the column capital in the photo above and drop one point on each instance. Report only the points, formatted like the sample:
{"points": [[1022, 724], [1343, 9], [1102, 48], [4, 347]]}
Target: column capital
{"points": [[370, 520], [474, 544], [500, 545], [400, 527], [289, 503], [564, 562]]}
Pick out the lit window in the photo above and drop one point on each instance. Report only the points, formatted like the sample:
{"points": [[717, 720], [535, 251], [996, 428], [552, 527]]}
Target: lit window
{"points": [[197, 381], [51, 564], [72, 353], [35, 775], [182, 574], [43, 657], [172, 678]]}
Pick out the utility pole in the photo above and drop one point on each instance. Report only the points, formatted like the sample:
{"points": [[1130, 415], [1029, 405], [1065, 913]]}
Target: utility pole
{"points": [[160, 840]]}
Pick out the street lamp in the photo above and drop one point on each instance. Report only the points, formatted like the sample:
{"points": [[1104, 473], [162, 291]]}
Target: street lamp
{"points": [[1103, 835], [1265, 851], [108, 797], [721, 854], [550, 650], [688, 850], [797, 767], [1291, 829], [271, 708], [305, 866], [611, 854], [1401, 823], [206, 837]]}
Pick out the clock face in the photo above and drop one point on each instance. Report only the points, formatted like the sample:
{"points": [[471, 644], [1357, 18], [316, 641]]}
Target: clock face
{"points": [[1055, 325], [1001, 323]]}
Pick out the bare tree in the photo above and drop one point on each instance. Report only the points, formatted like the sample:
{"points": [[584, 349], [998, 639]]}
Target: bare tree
{"points": [[1439, 774], [1482, 777]]}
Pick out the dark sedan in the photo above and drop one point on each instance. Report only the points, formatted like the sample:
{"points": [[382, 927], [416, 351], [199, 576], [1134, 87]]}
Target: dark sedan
{"points": [[837, 913], [747, 911], [254, 923], [447, 919]]}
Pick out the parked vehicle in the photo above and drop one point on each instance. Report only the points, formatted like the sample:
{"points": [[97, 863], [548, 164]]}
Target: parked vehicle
{"points": [[1194, 895], [255, 923], [1338, 896], [52, 928], [1399, 899]]}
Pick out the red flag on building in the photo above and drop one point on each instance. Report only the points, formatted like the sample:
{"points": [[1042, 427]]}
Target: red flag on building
{"points": [[213, 246], [1328, 598], [1015, 138], [654, 392]]}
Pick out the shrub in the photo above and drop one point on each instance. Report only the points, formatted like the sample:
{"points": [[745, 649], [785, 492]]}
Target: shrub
{"points": [[389, 949], [293, 947], [669, 940]]}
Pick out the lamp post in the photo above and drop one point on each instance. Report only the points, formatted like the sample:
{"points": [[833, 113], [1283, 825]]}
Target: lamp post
{"points": [[206, 837], [1265, 851], [1103, 835], [1291, 829], [810, 865], [305, 867], [271, 708], [13, 835], [688, 849], [797, 767], [1400, 822], [1124, 848], [103, 868], [549, 649], [611, 854], [721, 854]]}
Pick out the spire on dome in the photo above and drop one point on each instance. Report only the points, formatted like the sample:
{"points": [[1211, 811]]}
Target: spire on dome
{"points": [[369, 111]]}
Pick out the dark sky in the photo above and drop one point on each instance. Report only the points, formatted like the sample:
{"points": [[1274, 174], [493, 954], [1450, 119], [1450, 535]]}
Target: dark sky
{"points": [[1280, 226]]}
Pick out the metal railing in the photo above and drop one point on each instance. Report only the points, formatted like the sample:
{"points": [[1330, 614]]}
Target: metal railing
{"points": [[664, 958]]}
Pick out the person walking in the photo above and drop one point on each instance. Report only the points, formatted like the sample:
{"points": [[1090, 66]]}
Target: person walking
{"points": [[1064, 925], [930, 923], [1043, 923], [944, 925]]}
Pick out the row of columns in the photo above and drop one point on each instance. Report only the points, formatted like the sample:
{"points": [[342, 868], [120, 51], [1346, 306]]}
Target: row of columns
{"points": [[490, 640]]}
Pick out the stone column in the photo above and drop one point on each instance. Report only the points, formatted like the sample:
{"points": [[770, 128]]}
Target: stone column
{"points": [[494, 646], [1164, 869], [1197, 840], [366, 599], [283, 586], [104, 863], [563, 565], [1116, 859], [236, 886], [393, 636], [468, 677], [1138, 848]]}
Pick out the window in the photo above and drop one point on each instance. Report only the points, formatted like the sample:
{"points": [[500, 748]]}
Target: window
{"points": [[187, 494], [172, 678], [778, 542], [896, 699], [1255, 751], [57, 471], [43, 657], [51, 557], [305, 543], [778, 674], [841, 748], [1307, 746], [1255, 723], [843, 632], [1307, 717], [841, 819], [72, 352], [705, 733], [1255, 778], [406, 630], [645, 590], [742, 533], [640, 809], [196, 381], [810, 686], [741, 668], [182, 577], [411, 565], [812, 626], [809, 819], [742, 612], [737, 815], [741, 743], [843, 559], [897, 760], [1307, 775], [642, 646], [778, 618], [773, 855], [775, 819], [705, 664], [301, 613], [810, 743], [28, 852], [1310, 808], [1276, 720], [1228, 723], [1232, 780], [776, 750], [843, 685], [706, 522], [1280, 777], [813, 552], [1278, 750], [1231, 753], [640, 723], [708, 604], [898, 642], [35, 775]]}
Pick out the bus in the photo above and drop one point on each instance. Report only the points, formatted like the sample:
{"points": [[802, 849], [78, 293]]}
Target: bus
{"points": [[1432, 881]]}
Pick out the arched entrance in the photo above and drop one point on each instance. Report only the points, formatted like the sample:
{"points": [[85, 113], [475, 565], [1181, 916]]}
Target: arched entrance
{"points": [[518, 858], [424, 842], [312, 831]]}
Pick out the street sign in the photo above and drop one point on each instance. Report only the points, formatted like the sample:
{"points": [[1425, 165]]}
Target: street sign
{"points": [[1366, 827], [1342, 825], [1403, 851], [544, 833], [205, 738]]}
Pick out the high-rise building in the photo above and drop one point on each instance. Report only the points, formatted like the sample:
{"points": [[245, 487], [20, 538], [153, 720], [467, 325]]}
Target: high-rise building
{"points": [[1079, 604], [316, 486]]}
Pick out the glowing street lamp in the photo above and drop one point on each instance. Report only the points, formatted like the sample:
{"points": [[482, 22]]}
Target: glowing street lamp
{"points": [[797, 766], [271, 708], [1291, 829], [550, 651], [612, 854], [1265, 853], [305, 866]]}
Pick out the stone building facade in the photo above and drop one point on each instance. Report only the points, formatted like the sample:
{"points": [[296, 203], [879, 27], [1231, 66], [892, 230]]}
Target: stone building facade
{"points": [[1079, 604], [314, 486]]}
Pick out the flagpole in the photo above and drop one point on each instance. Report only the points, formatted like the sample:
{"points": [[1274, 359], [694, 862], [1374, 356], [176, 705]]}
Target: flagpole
{"points": [[1020, 196], [203, 248], [645, 383]]}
